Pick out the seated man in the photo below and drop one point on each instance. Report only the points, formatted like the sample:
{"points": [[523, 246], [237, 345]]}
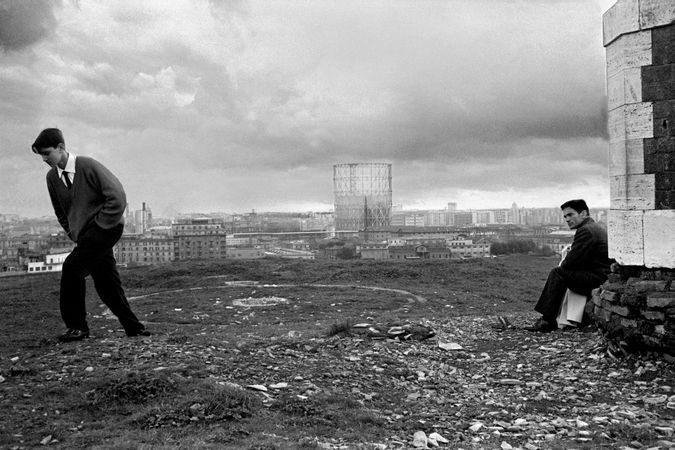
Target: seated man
{"points": [[584, 268]]}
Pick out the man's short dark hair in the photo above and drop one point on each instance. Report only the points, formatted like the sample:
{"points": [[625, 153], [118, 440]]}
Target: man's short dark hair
{"points": [[578, 205], [49, 137]]}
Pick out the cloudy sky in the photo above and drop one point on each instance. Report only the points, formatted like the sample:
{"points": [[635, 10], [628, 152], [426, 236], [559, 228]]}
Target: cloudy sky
{"points": [[201, 105]]}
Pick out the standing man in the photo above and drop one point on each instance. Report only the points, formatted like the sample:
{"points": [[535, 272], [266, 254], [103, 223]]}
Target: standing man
{"points": [[89, 203], [584, 268]]}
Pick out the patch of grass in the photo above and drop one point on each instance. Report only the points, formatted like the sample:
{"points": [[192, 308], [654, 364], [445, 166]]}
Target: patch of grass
{"points": [[642, 433], [325, 411], [341, 329], [136, 388], [204, 403]]}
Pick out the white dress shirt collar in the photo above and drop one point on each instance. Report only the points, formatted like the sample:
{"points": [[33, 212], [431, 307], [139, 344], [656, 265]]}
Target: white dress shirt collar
{"points": [[70, 165]]}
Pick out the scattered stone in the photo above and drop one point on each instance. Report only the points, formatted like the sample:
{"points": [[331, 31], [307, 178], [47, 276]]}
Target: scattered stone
{"points": [[450, 346], [438, 438], [279, 386], [46, 440], [257, 387], [476, 426], [420, 440], [655, 400]]}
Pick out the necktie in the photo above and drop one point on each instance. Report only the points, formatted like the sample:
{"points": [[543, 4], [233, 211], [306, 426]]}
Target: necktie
{"points": [[67, 179]]}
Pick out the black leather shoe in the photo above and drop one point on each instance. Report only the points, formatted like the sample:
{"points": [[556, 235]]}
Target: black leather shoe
{"points": [[543, 326], [73, 334], [139, 333]]}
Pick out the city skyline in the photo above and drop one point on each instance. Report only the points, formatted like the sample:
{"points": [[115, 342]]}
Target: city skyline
{"points": [[247, 105]]}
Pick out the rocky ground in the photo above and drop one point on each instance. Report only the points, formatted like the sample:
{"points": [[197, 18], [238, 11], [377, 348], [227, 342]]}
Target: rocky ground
{"points": [[273, 355]]}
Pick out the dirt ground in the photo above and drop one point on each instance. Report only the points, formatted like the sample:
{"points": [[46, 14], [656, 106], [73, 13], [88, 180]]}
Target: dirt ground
{"points": [[277, 354]]}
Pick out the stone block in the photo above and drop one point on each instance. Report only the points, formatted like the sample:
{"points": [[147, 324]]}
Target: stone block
{"points": [[626, 86], [639, 285], [661, 300], [625, 235], [597, 300], [639, 120], [623, 311], [663, 180], [663, 51], [609, 296], [659, 330], [632, 192], [664, 199], [627, 157], [659, 91], [633, 300], [632, 121], [656, 13], [656, 316], [662, 145], [660, 164], [629, 323], [613, 282], [663, 109], [629, 51], [623, 17], [605, 315], [657, 73], [659, 238]]}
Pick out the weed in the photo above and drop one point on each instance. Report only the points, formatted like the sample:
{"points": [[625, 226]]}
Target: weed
{"points": [[642, 433], [343, 328], [204, 402], [137, 388]]}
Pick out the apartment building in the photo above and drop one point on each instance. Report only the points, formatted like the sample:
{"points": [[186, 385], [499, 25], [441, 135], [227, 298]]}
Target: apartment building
{"points": [[137, 249], [199, 238]]}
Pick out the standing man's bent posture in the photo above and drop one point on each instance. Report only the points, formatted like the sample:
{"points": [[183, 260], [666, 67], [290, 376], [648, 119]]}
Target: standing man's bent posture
{"points": [[584, 268], [89, 203]]}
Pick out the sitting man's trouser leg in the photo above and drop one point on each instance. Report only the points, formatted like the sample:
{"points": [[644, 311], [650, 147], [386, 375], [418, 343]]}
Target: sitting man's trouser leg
{"points": [[559, 280]]}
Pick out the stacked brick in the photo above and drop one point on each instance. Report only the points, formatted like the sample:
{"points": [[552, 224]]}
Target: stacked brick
{"points": [[637, 305]]}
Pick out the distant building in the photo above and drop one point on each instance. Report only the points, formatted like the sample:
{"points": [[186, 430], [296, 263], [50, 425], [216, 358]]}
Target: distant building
{"points": [[362, 195], [375, 251], [199, 238], [418, 252], [51, 263], [244, 253], [144, 250], [287, 253], [462, 219], [464, 247]]}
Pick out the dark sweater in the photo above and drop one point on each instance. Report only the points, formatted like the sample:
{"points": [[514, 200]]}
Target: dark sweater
{"points": [[97, 196], [589, 250]]}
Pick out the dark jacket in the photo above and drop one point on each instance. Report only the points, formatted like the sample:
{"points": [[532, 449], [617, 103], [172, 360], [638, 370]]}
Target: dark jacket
{"points": [[589, 250], [97, 196]]}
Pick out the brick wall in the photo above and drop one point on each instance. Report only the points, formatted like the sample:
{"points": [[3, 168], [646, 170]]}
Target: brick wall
{"points": [[637, 305]]}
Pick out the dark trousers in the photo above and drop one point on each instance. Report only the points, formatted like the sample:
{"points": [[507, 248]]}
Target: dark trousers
{"points": [[557, 283], [93, 256]]}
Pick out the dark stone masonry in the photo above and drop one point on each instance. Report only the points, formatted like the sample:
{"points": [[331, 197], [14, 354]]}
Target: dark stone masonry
{"points": [[637, 305]]}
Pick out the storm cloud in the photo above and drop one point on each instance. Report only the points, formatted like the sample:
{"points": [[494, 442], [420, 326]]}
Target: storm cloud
{"points": [[25, 22], [233, 106]]}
